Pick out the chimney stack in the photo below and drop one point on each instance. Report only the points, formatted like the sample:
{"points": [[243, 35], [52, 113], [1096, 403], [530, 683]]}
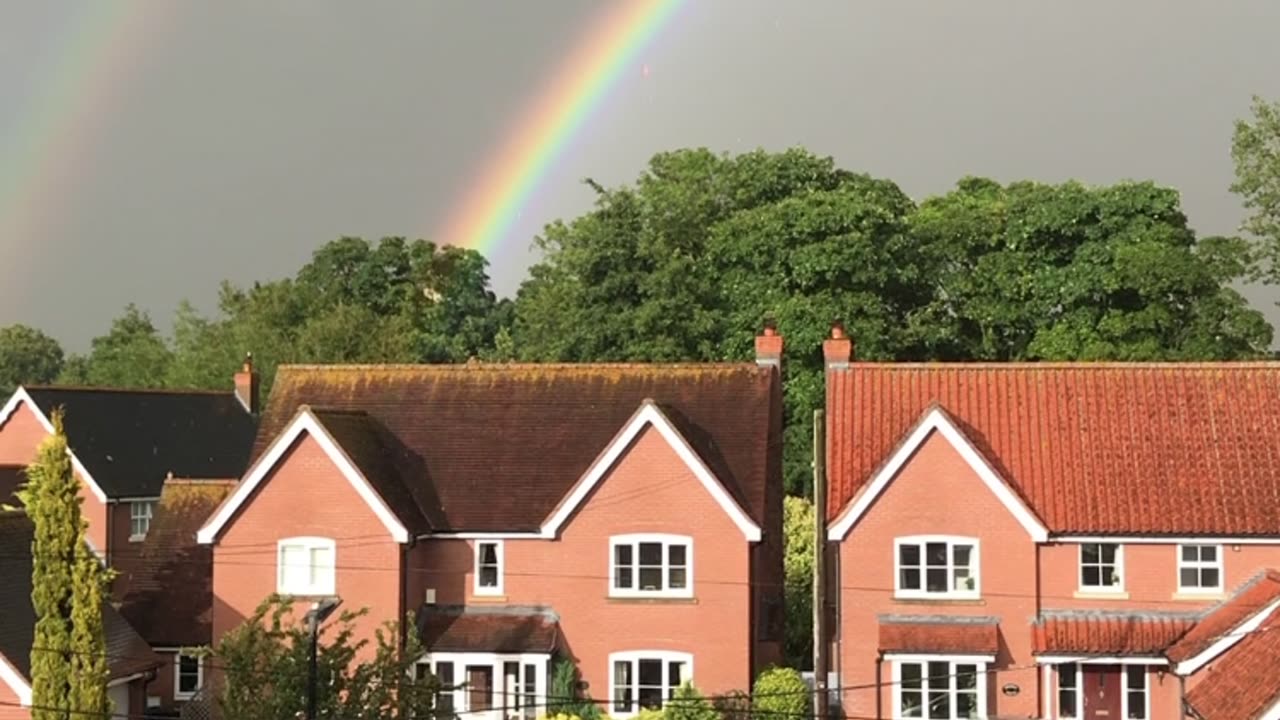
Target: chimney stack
{"points": [[837, 350], [769, 346], [246, 382]]}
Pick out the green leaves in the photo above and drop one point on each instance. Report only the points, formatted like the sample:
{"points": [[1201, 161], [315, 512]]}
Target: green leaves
{"points": [[1255, 148], [27, 357]]}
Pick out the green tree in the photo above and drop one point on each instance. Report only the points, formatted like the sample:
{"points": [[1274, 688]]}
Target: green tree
{"points": [[781, 692], [131, 354], [687, 703], [27, 357], [1255, 148], [68, 657], [798, 567], [265, 669]]}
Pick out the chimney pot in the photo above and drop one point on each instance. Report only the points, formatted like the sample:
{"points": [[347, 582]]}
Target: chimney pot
{"points": [[246, 385]]}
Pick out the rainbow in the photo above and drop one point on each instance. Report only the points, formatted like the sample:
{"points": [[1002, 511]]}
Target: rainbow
{"points": [[544, 130]]}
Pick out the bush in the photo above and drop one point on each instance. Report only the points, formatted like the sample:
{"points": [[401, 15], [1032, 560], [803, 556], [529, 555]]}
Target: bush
{"points": [[781, 692], [798, 564], [733, 705], [649, 714], [563, 700], [689, 704]]}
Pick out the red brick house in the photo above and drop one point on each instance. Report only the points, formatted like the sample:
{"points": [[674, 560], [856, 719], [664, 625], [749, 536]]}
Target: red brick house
{"points": [[626, 517], [1054, 540]]}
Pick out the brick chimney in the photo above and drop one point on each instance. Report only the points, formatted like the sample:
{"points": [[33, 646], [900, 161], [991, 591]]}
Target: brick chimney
{"points": [[769, 346], [247, 385], [837, 350]]}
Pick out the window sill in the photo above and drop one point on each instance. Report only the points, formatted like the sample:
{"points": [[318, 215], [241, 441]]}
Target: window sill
{"points": [[137, 538], [1196, 596], [488, 599], [1100, 595], [659, 600], [954, 601], [306, 595]]}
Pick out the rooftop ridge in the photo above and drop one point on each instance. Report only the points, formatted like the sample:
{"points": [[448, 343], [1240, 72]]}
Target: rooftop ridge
{"points": [[128, 390], [1075, 365], [486, 366]]}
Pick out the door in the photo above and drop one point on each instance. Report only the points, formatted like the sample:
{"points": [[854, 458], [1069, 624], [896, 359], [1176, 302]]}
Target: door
{"points": [[1101, 690], [480, 687]]}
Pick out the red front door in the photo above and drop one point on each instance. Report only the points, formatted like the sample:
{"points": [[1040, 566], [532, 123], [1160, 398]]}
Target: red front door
{"points": [[1101, 690]]}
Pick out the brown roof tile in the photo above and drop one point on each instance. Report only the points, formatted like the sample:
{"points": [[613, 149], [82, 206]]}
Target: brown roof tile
{"points": [[1079, 632], [169, 595], [1094, 448], [1245, 681], [496, 447], [1222, 619], [498, 629], [908, 633]]}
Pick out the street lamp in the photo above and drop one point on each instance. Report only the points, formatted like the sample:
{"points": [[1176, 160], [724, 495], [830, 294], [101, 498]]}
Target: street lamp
{"points": [[318, 613]]}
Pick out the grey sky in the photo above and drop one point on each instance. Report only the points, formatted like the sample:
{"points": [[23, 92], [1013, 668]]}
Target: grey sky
{"points": [[227, 140]]}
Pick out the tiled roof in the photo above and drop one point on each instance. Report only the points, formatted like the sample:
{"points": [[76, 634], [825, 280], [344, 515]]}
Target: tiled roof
{"points": [[496, 447], [1245, 681], [127, 652], [931, 634], [168, 596], [1094, 448], [130, 440], [1100, 633], [452, 628], [1261, 591]]}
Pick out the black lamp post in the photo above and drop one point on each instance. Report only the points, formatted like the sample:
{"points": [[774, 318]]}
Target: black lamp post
{"points": [[318, 613]]}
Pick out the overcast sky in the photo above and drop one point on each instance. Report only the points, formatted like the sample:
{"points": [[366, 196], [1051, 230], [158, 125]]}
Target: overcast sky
{"points": [[178, 143]]}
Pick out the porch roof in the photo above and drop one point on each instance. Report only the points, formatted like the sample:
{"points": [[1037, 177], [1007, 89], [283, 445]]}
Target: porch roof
{"points": [[1099, 633], [939, 634], [507, 629]]}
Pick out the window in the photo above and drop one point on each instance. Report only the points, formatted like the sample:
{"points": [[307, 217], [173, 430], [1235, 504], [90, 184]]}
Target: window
{"points": [[940, 689], [1101, 567], [444, 697], [646, 679], [651, 566], [1068, 691], [188, 676], [472, 684], [139, 519], [1135, 692], [1199, 568], [941, 567], [488, 567], [306, 566]]}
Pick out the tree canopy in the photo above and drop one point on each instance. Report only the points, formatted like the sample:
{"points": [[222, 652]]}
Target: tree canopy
{"points": [[1255, 148], [28, 357]]}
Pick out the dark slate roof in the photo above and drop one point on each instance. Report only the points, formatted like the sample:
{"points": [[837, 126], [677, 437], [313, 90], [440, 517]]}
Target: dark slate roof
{"points": [[127, 652], [506, 629], [482, 447], [168, 595], [129, 440]]}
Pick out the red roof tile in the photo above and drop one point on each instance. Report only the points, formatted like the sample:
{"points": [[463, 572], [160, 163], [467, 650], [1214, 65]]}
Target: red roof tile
{"points": [[1245, 681], [1250, 600], [497, 447], [490, 630], [978, 636], [1103, 633], [1094, 448]]}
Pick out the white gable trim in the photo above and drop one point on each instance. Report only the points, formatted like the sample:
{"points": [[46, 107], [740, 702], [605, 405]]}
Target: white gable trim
{"points": [[18, 684], [650, 415], [1226, 642], [938, 421], [304, 422], [1272, 713], [20, 397]]}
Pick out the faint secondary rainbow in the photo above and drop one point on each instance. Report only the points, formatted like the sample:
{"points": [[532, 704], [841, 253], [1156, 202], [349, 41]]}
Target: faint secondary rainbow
{"points": [[50, 145], [544, 130]]}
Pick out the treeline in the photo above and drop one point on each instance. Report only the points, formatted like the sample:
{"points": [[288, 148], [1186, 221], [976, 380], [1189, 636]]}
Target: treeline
{"points": [[687, 261]]}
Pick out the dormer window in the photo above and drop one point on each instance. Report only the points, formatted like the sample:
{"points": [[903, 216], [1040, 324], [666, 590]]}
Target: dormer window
{"points": [[936, 567], [651, 566]]}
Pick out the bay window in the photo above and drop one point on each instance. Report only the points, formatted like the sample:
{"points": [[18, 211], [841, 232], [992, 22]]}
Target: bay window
{"points": [[936, 687]]}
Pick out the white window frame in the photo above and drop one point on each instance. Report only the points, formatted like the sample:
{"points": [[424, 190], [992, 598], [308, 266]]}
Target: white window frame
{"points": [[980, 661], [921, 541], [666, 540], [1146, 690], [134, 516], [178, 694], [326, 586], [1079, 692], [1116, 589], [462, 694], [1218, 565], [499, 553], [634, 657]]}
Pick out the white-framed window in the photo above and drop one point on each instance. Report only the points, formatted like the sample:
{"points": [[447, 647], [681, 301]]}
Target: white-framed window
{"points": [[1137, 702], [1200, 568], [306, 566], [188, 676], [651, 566], [646, 679], [140, 512], [478, 684], [938, 687], [1101, 567], [936, 566], [488, 570], [1069, 683]]}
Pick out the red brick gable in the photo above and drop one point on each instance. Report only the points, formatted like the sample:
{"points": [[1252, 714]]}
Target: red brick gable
{"points": [[1105, 448]]}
